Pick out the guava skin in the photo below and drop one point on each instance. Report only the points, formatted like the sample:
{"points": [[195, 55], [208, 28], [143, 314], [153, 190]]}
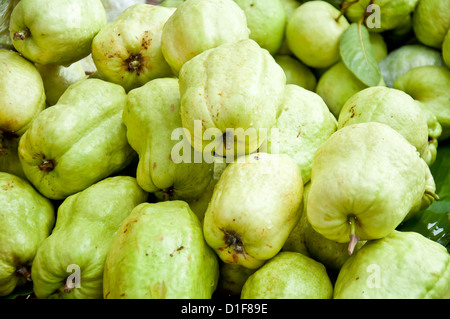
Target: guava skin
{"points": [[22, 93], [233, 86], [216, 22], [313, 33], [159, 252], [86, 224], [26, 220], [402, 265], [365, 179], [127, 51], [289, 275], [43, 32], [151, 115], [248, 225], [78, 141]]}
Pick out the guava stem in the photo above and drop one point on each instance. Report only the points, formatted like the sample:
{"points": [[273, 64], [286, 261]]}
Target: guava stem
{"points": [[432, 194], [47, 165], [22, 35], [134, 63], [23, 271], [353, 238], [67, 289], [344, 8]]}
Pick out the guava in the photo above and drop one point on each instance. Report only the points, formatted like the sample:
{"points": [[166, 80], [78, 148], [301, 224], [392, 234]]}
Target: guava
{"points": [[232, 278], [127, 51], [429, 85], [78, 141], [86, 224], [216, 22], [57, 78], [365, 179], [289, 8], [296, 72], [406, 57], [431, 22], [289, 275], [266, 20], [304, 123], [392, 107], [159, 252], [56, 31], [253, 209], [313, 32], [381, 15], [26, 220], [230, 98], [151, 115], [328, 252], [402, 265], [22, 93]]}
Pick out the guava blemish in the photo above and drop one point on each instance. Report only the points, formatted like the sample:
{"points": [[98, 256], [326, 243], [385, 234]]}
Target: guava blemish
{"points": [[178, 249], [146, 41], [47, 165], [168, 193], [134, 63], [8, 186], [22, 35]]}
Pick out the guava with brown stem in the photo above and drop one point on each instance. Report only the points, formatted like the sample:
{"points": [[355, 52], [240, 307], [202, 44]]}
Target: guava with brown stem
{"points": [[253, 209], [86, 224], [151, 115], [26, 219], [127, 51], [365, 179], [56, 31], [78, 141]]}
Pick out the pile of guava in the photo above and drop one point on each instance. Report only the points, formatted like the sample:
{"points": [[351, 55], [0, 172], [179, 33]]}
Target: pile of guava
{"points": [[225, 149]]}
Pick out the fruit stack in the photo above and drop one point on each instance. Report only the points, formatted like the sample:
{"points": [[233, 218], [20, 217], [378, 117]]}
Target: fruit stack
{"points": [[207, 149]]}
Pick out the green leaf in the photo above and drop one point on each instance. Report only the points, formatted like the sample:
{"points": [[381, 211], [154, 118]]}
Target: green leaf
{"points": [[358, 54], [434, 222]]}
